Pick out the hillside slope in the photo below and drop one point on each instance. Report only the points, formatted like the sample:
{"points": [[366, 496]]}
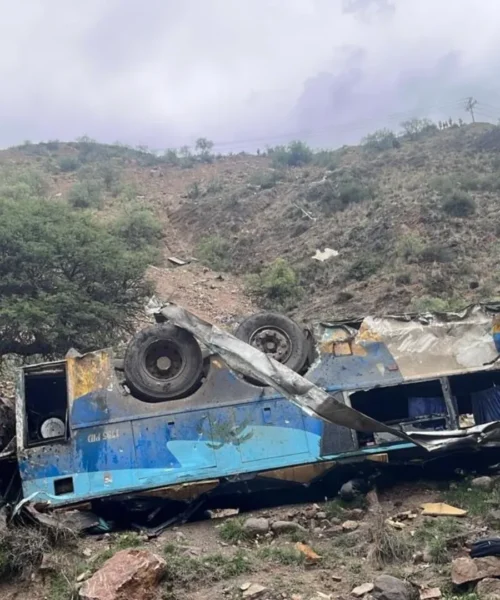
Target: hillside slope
{"points": [[415, 225]]}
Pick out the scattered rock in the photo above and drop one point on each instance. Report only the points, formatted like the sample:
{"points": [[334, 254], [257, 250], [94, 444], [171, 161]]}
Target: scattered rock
{"points": [[430, 594], [87, 552], [254, 591], [321, 515], [256, 526], [483, 483], [337, 578], [245, 586], [465, 569], [387, 587], [354, 514], [494, 517], [350, 525], [362, 590], [128, 575], [488, 589], [286, 527]]}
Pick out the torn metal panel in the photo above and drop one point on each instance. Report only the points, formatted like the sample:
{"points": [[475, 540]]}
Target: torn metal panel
{"points": [[425, 346], [251, 362]]}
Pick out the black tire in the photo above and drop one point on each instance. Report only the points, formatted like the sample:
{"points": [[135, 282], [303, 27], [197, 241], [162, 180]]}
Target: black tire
{"points": [[179, 375], [278, 336]]}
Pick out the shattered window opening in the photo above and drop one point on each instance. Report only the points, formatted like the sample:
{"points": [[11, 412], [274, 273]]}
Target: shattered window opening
{"points": [[46, 405], [414, 406], [477, 397]]}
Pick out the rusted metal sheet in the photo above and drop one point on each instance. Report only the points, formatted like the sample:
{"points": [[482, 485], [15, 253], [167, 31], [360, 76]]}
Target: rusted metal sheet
{"points": [[89, 372]]}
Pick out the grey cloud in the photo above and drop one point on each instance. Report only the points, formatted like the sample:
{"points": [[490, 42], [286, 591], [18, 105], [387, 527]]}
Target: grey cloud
{"points": [[246, 73]]}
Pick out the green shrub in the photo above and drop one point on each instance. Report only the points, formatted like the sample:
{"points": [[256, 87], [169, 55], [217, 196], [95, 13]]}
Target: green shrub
{"points": [[264, 179], [459, 204], [193, 190], [171, 157], [417, 128], [110, 176], [214, 186], [86, 194], [139, 228], [328, 159], [352, 192], [431, 304], [435, 253], [204, 147], [363, 267], [409, 247], [337, 195], [382, 139], [277, 286], [68, 164], [295, 154], [215, 252]]}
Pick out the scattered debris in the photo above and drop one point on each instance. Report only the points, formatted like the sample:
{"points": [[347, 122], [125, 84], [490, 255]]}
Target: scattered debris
{"points": [[325, 255], [132, 574], [441, 509], [485, 547], [466, 570], [362, 590], [430, 594], [223, 513], [308, 552], [395, 524], [177, 261], [256, 526], [254, 591]]}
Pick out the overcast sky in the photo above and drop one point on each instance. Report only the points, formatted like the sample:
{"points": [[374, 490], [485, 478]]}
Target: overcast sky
{"points": [[240, 72]]}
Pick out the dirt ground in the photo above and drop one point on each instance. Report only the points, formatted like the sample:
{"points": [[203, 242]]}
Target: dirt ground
{"points": [[353, 543]]}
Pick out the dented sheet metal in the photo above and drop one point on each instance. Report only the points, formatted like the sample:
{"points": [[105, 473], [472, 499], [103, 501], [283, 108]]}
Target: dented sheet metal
{"points": [[251, 362], [428, 345], [401, 336]]}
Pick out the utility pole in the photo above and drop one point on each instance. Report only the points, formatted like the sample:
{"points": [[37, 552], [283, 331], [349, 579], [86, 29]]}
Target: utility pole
{"points": [[470, 103]]}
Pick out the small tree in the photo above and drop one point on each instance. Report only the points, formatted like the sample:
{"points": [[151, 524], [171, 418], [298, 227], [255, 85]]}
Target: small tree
{"points": [[204, 147], [382, 139], [64, 280], [415, 128]]}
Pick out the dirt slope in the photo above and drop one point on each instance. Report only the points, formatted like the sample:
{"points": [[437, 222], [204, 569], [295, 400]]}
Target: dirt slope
{"points": [[415, 226]]}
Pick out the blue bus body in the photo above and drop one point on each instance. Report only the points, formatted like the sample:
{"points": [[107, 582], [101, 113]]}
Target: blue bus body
{"points": [[114, 443]]}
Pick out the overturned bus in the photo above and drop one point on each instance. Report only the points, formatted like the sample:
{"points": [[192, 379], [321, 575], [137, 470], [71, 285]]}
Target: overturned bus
{"points": [[191, 408]]}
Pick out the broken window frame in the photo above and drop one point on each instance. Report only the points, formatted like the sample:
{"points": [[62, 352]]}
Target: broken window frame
{"points": [[22, 414]]}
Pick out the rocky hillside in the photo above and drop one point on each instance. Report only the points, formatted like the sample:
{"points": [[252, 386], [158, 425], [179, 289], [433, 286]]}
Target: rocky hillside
{"points": [[413, 220]]}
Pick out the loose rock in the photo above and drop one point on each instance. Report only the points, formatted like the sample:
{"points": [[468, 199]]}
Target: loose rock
{"points": [[254, 591], [488, 589], [286, 527], [483, 483], [387, 587], [430, 594], [256, 526], [465, 569], [350, 525], [362, 590], [128, 575]]}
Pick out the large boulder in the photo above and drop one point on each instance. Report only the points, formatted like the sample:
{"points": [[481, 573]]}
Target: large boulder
{"points": [[467, 570], [386, 587], [128, 575]]}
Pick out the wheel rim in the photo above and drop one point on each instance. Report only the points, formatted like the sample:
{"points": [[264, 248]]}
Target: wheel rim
{"points": [[273, 341], [164, 361]]}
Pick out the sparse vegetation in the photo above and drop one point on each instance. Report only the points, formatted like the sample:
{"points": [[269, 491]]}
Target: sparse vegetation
{"points": [[68, 164], [363, 268], [296, 154], [215, 252], [264, 179], [459, 204], [232, 531], [277, 286], [140, 229], [380, 140], [389, 545], [284, 555], [86, 194]]}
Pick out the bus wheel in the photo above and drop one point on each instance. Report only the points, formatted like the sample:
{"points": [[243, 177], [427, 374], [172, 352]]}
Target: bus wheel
{"points": [[278, 336], [163, 362]]}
